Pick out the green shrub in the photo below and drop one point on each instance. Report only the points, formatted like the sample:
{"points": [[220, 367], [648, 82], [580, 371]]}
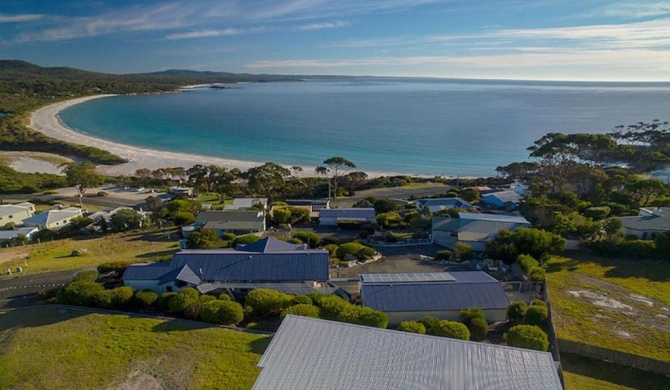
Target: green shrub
{"points": [[184, 218], [145, 299], [452, 329], [225, 297], [103, 299], [412, 327], [444, 255], [204, 239], [9, 226], [527, 262], [245, 239], [164, 300], [537, 274], [229, 236], [384, 205], [363, 316], [301, 299], [308, 237], [194, 309], [528, 336], [536, 315], [639, 249], [302, 309], [222, 312], [538, 302], [86, 276], [467, 315], [184, 298], [121, 296], [516, 311], [118, 267], [478, 329], [281, 216], [597, 213], [350, 248], [78, 293], [463, 251], [430, 323], [265, 302], [331, 306]]}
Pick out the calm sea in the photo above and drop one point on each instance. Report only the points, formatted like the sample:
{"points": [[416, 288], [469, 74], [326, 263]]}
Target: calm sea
{"points": [[412, 126]]}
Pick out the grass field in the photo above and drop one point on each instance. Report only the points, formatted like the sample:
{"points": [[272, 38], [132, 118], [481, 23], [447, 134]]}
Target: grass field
{"points": [[56, 348], [582, 373], [617, 304], [130, 247]]}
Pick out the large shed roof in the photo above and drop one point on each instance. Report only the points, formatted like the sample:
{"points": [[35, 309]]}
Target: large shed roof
{"points": [[309, 353], [348, 213]]}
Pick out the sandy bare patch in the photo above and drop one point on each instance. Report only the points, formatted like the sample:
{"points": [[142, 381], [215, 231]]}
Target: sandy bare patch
{"points": [[34, 162], [643, 299], [138, 380], [601, 300]]}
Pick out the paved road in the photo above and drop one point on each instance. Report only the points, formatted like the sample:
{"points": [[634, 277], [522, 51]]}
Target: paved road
{"points": [[392, 192], [13, 288]]}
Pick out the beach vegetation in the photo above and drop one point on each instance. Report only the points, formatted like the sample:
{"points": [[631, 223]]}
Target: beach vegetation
{"points": [[82, 175]]}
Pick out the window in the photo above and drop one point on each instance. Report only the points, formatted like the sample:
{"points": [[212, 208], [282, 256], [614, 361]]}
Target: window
{"points": [[168, 288]]}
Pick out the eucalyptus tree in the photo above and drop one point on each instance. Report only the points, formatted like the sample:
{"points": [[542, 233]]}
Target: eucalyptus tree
{"points": [[268, 179], [336, 166]]}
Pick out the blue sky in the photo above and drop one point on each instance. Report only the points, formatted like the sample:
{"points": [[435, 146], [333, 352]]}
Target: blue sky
{"points": [[533, 39]]}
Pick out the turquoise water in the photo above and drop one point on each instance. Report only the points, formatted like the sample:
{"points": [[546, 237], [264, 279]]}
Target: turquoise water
{"points": [[424, 126]]}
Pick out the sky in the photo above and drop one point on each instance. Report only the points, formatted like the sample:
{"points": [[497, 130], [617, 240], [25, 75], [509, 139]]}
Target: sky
{"points": [[598, 40]]}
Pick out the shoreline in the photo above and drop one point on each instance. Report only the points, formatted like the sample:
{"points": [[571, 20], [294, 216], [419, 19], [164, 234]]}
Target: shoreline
{"points": [[46, 120]]}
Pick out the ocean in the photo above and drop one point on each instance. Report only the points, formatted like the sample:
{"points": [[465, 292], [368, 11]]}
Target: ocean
{"points": [[409, 126]]}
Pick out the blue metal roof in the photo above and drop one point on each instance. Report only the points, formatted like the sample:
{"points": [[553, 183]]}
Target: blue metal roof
{"points": [[215, 265], [353, 213], [308, 353], [269, 245], [466, 290], [146, 271]]}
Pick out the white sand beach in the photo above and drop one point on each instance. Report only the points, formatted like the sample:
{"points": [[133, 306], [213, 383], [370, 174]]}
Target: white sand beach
{"points": [[46, 121]]}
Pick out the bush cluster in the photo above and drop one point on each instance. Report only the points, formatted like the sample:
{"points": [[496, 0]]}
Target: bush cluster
{"points": [[445, 328], [528, 336], [337, 309]]}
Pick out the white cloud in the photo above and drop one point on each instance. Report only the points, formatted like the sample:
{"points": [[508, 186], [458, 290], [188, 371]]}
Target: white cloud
{"points": [[323, 25], [19, 18], [205, 34], [637, 10]]}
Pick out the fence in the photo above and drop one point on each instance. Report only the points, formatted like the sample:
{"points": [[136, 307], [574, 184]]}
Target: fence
{"points": [[618, 357], [551, 332]]}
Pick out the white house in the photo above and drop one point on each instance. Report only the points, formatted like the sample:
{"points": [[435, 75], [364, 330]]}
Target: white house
{"points": [[247, 203], [16, 212], [53, 219], [474, 229], [649, 222], [13, 234]]}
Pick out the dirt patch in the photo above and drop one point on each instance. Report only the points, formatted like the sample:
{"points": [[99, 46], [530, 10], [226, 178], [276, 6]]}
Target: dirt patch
{"points": [[138, 380]]}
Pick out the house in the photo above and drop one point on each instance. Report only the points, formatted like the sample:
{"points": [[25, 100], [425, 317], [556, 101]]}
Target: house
{"points": [[331, 217], [648, 223], [312, 205], [502, 199], [248, 203], [237, 222], [16, 213], [409, 297], [439, 204], [188, 191], [520, 187], [11, 235], [474, 229], [53, 219], [267, 263], [308, 353]]}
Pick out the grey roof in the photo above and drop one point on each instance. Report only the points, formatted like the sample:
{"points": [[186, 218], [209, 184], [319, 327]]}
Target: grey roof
{"points": [[462, 291], [649, 220], [184, 273], [232, 220], [447, 203], [308, 353], [494, 217], [246, 203], [239, 266], [294, 288], [51, 216], [269, 245], [407, 277], [146, 271], [505, 196], [8, 209], [307, 202], [348, 213], [10, 234]]}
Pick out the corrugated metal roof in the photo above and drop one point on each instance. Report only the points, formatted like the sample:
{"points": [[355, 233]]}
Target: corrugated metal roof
{"points": [[312, 354], [407, 277], [146, 271], [307, 202], [444, 202], [504, 196], [269, 245], [433, 296], [8, 209], [243, 266], [494, 217], [658, 222], [9, 234], [184, 273], [348, 213]]}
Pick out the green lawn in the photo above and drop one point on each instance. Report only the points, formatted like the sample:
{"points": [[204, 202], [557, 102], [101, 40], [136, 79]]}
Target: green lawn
{"points": [[640, 330], [55, 348], [52, 256], [582, 373]]}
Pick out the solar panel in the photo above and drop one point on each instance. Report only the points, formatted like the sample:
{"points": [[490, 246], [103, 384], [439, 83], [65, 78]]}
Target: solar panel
{"points": [[408, 277]]}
